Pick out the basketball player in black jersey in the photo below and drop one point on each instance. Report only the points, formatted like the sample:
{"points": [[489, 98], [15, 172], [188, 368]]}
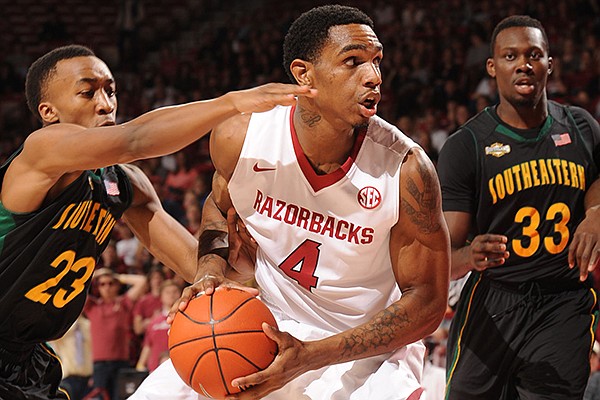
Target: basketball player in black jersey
{"points": [[62, 192], [520, 180]]}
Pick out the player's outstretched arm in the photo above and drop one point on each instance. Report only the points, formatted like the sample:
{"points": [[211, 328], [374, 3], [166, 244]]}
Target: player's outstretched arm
{"points": [[62, 148], [420, 255]]}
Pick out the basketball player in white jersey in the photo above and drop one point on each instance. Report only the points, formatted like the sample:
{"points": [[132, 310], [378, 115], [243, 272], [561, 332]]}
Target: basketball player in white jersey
{"points": [[352, 251]]}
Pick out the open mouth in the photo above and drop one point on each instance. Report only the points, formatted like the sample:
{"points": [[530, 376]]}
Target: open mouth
{"points": [[369, 106], [524, 86]]}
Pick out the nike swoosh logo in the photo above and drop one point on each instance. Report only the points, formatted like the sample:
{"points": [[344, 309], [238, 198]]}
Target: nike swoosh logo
{"points": [[256, 168]]}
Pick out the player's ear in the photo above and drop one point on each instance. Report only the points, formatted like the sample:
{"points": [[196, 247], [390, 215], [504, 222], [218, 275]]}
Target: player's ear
{"points": [[550, 65], [490, 67], [48, 113], [302, 71]]}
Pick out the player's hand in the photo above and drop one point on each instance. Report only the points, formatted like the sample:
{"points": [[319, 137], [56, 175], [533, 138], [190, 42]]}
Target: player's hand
{"points": [[584, 250], [488, 251], [210, 276], [265, 97], [286, 366]]}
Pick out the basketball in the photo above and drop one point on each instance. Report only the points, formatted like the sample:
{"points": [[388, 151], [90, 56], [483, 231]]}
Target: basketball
{"points": [[218, 338]]}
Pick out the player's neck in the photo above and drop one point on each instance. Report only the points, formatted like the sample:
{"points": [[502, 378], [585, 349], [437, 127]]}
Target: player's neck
{"points": [[326, 146], [523, 116]]}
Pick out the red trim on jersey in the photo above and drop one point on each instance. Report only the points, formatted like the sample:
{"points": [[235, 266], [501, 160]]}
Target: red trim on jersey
{"points": [[318, 182]]}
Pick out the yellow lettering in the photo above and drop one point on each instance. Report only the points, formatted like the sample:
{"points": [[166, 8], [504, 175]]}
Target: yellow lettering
{"points": [[100, 221], [106, 229], [534, 172], [581, 173], [64, 215], [551, 172], [492, 191], [544, 172], [74, 214], [509, 184], [87, 226], [556, 165], [573, 174], [81, 211], [500, 187], [565, 172], [515, 170], [526, 175]]}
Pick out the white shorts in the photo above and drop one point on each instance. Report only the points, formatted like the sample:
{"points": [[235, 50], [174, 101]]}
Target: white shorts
{"points": [[384, 377]]}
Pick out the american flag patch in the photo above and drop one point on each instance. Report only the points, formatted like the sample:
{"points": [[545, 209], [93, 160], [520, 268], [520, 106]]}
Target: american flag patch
{"points": [[112, 188], [562, 139]]}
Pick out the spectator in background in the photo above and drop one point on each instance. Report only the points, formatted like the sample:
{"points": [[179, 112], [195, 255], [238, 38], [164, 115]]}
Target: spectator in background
{"points": [[156, 337], [75, 352], [130, 16], [111, 324], [110, 259], [592, 390], [127, 245], [150, 303]]}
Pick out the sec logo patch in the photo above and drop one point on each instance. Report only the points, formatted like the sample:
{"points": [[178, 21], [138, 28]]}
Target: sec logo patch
{"points": [[369, 197]]}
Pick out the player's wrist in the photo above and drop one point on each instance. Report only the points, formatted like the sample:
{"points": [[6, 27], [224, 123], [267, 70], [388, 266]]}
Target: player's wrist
{"points": [[213, 241]]}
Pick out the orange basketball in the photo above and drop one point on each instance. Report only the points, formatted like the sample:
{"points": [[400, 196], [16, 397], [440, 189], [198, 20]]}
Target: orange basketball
{"points": [[218, 338]]}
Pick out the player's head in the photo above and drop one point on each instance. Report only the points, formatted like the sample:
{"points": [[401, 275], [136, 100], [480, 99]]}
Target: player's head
{"points": [[307, 34], [516, 21], [520, 62], [335, 50], [70, 84]]}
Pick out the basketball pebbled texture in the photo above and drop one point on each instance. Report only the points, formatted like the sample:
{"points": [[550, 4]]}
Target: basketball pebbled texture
{"points": [[218, 338]]}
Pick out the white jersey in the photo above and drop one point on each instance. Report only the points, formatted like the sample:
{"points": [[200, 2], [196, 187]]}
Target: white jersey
{"points": [[323, 263], [323, 240]]}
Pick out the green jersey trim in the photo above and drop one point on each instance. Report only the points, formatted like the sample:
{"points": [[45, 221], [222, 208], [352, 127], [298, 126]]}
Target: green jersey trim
{"points": [[7, 224]]}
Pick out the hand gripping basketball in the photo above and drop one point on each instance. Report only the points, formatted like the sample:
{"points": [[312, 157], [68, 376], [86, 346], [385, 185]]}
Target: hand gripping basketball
{"points": [[218, 338]]}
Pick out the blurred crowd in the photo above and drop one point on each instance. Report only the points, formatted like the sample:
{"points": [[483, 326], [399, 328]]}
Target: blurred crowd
{"points": [[434, 80]]}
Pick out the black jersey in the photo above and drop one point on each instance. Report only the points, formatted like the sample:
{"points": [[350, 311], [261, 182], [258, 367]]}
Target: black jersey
{"points": [[47, 257], [527, 185]]}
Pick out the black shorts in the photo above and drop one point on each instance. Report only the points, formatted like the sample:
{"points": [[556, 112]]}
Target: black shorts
{"points": [[33, 373], [527, 342]]}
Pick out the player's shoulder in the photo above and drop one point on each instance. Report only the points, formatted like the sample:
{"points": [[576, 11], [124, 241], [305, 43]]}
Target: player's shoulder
{"points": [[388, 135], [564, 113]]}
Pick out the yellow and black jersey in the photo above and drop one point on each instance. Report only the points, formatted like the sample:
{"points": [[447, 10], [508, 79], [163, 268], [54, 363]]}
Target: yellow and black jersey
{"points": [[47, 257], [526, 184]]}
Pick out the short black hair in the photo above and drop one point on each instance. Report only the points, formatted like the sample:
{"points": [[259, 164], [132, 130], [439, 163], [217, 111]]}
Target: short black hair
{"points": [[518, 21], [307, 34], [42, 69]]}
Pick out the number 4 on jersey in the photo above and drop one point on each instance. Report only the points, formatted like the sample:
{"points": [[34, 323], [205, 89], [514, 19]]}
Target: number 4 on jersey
{"points": [[301, 264]]}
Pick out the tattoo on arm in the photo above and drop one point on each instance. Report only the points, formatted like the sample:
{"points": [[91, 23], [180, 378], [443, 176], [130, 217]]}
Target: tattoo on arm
{"points": [[426, 202], [380, 332], [309, 118]]}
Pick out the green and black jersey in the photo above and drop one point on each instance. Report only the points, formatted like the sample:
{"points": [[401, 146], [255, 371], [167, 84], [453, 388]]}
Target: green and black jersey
{"points": [[47, 257], [526, 184]]}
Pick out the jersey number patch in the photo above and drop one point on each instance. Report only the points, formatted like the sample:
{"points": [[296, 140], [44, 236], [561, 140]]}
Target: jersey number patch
{"points": [[301, 264], [43, 292], [530, 229]]}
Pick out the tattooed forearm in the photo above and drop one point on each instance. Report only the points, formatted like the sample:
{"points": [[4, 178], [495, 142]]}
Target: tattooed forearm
{"points": [[309, 117], [380, 332], [426, 201]]}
